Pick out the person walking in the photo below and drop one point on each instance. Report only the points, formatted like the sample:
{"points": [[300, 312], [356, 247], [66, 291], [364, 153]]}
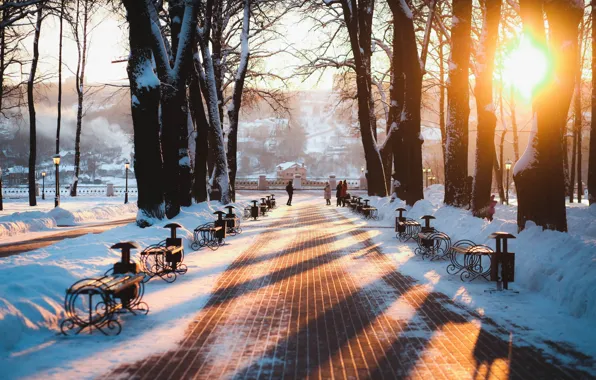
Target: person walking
{"points": [[344, 193], [328, 194], [338, 193], [491, 208], [290, 190]]}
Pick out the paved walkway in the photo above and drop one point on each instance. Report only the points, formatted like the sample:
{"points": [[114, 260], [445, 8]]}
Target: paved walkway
{"points": [[326, 303]]}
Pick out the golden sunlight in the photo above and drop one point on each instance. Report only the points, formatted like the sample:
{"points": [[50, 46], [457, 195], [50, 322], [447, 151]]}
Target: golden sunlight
{"points": [[526, 67]]}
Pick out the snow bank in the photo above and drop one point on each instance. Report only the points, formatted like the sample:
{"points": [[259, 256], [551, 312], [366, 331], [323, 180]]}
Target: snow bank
{"points": [[32, 288], [30, 221], [560, 266]]}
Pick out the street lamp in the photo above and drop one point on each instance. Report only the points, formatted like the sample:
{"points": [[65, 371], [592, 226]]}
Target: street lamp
{"points": [[43, 185], [1, 205], [56, 159], [126, 165], [427, 172], [508, 168]]}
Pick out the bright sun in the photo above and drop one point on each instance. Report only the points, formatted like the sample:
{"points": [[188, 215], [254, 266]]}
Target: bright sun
{"points": [[526, 67]]}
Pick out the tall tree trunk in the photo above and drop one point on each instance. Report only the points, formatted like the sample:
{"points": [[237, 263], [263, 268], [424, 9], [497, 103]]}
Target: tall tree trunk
{"points": [[458, 111], [234, 108], [580, 186], [358, 21], [487, 121], [502, 166], [571, 183], [80, 87], [539, 173], [199, 190], [220, 178], [145, 97], [514, 124], [31, 104], [592, 153], [59, 117], [396, 106], [442, 127], [2, 60], [498, 174], [410, 118]]}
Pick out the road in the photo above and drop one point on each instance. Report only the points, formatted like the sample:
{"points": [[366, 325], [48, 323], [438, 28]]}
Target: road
{"points": [[33, 244]]}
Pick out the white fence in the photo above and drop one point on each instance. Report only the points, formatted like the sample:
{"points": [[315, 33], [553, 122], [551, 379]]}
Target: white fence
{"points": [[277, 183], [82, 190]]}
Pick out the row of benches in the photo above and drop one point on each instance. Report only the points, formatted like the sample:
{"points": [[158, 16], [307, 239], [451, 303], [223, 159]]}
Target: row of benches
{"points": [[94, 303], [361, 206], [466, 258]]}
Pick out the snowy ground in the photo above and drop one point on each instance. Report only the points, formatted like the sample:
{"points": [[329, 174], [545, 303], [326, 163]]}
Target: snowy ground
{"points": [[18, 220], [555, 272], [555, 277], [32, 291]]}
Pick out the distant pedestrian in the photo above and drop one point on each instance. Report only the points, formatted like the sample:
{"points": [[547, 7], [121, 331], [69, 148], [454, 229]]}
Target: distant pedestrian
{"points": [[290, 190], [338, 193], [344, 192], [328, 193], [491, 208]]}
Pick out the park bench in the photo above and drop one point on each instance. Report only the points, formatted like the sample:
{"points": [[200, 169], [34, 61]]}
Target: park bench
{"points": [[263, 207], [164, 259], [94, 303], [205, 235], [232, 222], [406, 228], [470, 260], [434, 245]]}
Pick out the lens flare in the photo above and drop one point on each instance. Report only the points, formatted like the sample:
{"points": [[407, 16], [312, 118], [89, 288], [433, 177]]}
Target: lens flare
{"points": [[526, 67]]}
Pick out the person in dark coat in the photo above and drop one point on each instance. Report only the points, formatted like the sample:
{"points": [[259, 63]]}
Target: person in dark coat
{"points": [[338, 193], [290, 190], [491, 208], [344, 192]]}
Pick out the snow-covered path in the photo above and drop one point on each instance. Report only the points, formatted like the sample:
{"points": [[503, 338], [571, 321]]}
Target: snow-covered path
{"points": [[314, 295], [29, 243]]}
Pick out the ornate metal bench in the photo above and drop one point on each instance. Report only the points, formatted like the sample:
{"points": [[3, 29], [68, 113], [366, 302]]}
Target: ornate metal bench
{"points": [[407, 229], [205, 235], [96, 302], [232, 222], [470, 260], [164, 259], [434, 245], [370, 212]]}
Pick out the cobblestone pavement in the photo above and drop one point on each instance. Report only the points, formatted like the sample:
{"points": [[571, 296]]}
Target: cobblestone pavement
{"points": [[314, 297]]}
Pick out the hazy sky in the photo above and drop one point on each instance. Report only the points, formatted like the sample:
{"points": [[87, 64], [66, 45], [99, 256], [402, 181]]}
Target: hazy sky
{"points": [[109, 41]]}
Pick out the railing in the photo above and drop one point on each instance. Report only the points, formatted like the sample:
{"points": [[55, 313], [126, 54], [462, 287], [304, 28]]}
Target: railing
{"points": [[279, 183], [89, 191]]}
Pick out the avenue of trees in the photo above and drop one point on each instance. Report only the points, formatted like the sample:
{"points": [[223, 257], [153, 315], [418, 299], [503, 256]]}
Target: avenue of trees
{"points": [[194, 64]]}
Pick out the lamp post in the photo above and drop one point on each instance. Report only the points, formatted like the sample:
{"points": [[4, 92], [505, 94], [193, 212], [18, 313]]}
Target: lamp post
{"points": [[427, 172], [508, 168], [43, 185], [56, 159], [126, 165], [1, 205]]}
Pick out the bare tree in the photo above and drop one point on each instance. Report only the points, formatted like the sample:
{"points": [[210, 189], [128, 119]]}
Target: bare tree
{"points": [[81, 29], [592, 153], [539, 175], [487, 120], [458, 111], [31, 104]]}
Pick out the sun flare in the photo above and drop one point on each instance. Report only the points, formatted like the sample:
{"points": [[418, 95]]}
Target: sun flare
{"points": [[526, 67]]}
